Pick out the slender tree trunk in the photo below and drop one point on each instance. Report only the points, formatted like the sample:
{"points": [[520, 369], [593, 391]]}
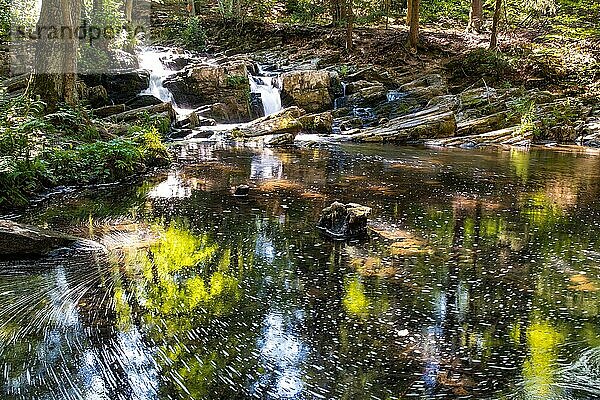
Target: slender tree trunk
{"points": [[191, 7], [336, 12], [387, 13], [495, 23], [129, 10], [55, 67], [97, 7], [475, 16], [349, 24], [408, 11], [238, 10], [413, 36]]}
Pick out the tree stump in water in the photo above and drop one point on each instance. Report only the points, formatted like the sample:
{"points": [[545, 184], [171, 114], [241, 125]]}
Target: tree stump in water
{"points": [[344, 221]]}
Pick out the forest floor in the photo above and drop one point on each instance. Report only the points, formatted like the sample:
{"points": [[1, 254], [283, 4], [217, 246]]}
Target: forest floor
{"points": [[526, 57]]}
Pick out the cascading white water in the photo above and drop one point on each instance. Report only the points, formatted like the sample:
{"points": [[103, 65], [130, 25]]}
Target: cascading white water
{"points": [[339, 102], [270, 93], [150, 60]]}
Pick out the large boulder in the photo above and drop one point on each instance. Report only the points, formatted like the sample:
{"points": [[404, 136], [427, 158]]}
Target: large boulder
{"points": [[193, 120], [122, 61], [120, 87], [15, 83], [162, 109], [560, 120], [344, 221], [317, 123], [367, 95], [178, 61], [310, 90], [95, 96], [373, 74], [26, 240], [143, 100], [590, 130], [355, 87], [487, 123], [285, 121], [226, 84]]}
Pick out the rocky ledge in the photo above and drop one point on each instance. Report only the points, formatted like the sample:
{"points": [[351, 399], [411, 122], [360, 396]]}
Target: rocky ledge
{"points": [[21, 240]]}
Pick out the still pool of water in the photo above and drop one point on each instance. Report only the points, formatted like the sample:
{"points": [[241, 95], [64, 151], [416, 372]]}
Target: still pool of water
{"points": [[480, 279]]}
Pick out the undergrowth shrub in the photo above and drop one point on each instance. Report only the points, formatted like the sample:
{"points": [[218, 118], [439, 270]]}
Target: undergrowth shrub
{"points": [[483, 62], [97, 162], [64, 148], [193, 34]]}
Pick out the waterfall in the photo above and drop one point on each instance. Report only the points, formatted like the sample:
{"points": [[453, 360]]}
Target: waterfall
{"points": [[270, 93], [340, 101], [150, 60]]}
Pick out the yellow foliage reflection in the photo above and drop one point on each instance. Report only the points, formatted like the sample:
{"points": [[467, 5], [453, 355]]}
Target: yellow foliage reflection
{"points": [[539, 368], [355, 300]]}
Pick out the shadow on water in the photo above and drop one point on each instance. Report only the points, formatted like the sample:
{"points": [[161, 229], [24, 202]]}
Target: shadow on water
{"points": [[480, 279]]}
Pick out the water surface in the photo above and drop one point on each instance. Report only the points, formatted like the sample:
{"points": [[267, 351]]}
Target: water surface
{"points": [[479, 280]]}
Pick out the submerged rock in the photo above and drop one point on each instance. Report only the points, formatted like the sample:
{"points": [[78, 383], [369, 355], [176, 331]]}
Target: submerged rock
{"points": [[18, 240], [241, 191], [344, 221]]}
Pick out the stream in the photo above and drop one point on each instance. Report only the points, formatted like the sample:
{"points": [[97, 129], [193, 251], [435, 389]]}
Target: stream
{"points": [[480, 279]]}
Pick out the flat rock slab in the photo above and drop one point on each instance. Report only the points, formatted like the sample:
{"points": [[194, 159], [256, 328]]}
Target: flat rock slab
{"points": [[27, 240]]}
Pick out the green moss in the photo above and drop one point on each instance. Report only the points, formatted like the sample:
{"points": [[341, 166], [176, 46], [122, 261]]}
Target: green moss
{"points": [[237, 81]]}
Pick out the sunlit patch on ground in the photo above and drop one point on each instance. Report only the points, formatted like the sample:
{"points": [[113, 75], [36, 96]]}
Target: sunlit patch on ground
{"points": [[312, 195]]}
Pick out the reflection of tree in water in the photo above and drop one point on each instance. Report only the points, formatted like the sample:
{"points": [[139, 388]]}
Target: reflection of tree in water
{"points": [[188, 293]]}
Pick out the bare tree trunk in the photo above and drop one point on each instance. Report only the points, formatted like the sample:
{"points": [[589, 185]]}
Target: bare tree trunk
{"points": [[413, 36], [408, 11], [495, 23], [386, 9], [55, 67], [349, 24], [97, 7], [336, 12], [191, 7], [475, 16], [129, 10]]}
